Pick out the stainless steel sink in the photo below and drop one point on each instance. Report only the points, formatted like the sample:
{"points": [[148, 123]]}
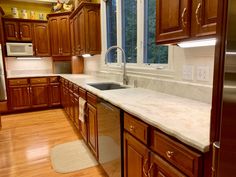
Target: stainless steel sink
{"points": [[107, 86]]}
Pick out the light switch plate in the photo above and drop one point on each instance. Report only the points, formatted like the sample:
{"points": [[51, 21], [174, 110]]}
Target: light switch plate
{"points": [[187, 72]]}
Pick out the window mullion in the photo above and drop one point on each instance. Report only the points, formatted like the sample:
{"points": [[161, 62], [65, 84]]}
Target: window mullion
{"points": [[140, 31], [119, 30]]}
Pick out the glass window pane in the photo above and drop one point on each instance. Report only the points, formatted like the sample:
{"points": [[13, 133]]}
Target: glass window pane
{"points": [[130, 29], [111, 29], [153, 53]]}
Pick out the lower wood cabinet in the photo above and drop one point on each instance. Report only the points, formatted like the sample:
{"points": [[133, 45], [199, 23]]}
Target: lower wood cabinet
{"points": [[39, 96], [20, 97], [28, 93], [92, 129], [136, 157]]}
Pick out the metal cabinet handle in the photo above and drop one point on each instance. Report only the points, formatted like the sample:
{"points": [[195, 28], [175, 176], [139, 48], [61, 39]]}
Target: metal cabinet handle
{"points": [[184, 23], [21, 34], [131, 128], [144, 165], [16, 34], [197, 13], [169, 154], [215, 156], [149, 170]]}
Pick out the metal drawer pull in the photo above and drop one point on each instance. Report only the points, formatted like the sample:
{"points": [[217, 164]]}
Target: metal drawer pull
{"points": [[197, 13], [169, 154], [149, 170], [144, 165], [184, 23]]}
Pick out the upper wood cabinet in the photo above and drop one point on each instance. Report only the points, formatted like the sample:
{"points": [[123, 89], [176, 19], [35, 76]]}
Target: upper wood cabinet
{"points": [[204, 17], [173, 20], [18, 31], [86, 29], [60, 34], [177, 20], [41, 39]]}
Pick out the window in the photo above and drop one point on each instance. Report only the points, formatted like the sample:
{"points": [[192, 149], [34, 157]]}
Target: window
{"points": [[153, 53], [131, 24], [111, 29], [129, 29]]}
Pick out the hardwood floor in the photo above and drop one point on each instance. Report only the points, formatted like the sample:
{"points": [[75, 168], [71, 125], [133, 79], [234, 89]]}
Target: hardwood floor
{"points": [[25, 142]]}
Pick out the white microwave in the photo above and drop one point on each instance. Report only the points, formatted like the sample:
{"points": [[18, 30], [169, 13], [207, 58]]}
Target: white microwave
{"points": [[19, 49]]}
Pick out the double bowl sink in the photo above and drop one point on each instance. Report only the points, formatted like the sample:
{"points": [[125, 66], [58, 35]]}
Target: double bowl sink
{"points": [[107, 86]]}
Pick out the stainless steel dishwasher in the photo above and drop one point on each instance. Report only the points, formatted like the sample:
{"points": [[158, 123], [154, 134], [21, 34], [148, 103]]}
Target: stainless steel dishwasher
{"points": [[109, 138]]}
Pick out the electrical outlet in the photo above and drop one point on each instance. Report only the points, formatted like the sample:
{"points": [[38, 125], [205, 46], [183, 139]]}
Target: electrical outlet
{"points": [[188, 72], [203, 73]]}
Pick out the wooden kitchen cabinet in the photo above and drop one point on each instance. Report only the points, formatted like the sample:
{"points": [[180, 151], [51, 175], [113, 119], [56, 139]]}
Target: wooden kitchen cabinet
{"points": [[18, 30], [41, 40], [60, 34], [173, 20], [92, 129], [86, 28], [54, 91], [20, 98], [184, 19], [136, 157], [204, 17], [39, 95]]}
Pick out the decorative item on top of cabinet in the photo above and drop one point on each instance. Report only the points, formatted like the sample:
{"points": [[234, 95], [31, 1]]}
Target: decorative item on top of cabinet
{"points": [[185, 19], [41, 40], [60, 34], [204, 17], [86, 29], [18, 30]]}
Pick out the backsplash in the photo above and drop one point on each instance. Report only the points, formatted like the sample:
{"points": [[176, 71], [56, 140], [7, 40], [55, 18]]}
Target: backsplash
{"points": [[16, 67], [175, 82]]}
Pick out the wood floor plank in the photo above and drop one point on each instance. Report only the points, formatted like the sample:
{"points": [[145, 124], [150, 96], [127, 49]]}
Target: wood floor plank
{"points": [[26, 140]]}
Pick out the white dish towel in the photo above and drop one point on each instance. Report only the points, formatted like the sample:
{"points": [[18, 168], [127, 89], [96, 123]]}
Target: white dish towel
{"points": [[82, 103]]}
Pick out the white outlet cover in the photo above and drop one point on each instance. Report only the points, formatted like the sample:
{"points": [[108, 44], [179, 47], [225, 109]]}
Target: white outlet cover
{"points": [[187, 72], [203, 73]]}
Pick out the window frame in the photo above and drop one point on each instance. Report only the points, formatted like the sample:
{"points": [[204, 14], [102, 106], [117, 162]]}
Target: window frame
{"points": [[140, 66]]}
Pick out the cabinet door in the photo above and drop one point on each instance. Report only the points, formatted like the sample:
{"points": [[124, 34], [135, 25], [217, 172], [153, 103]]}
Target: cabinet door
{"points": [[172, 20], [92, 29], [72, 37], [25, 31], [19, 97], [135, 157], [54, 35], [11, 31], [64, 36], [93, 129], [55, 98], [39, 95], [81, 32], [160, 168], [41, 39], [76, 35], [204, 17]]}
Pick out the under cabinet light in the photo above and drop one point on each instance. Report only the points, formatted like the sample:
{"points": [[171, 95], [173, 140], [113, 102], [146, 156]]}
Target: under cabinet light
{"points": [[198, 43], [86, 55], [28, 58]]}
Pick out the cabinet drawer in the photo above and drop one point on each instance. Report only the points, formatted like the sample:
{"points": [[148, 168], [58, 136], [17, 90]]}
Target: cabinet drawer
{"points": [[180, 156], [70, 85], [92, 99], [39, 80], [82, 93], [53, 79], [136, 128], [17, 82]]}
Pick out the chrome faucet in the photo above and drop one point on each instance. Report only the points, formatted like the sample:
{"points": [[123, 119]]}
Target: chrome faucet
{"points": [[125, 77]]}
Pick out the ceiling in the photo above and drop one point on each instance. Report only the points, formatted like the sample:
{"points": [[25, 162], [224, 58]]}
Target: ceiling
{"points": [[37, 1]]}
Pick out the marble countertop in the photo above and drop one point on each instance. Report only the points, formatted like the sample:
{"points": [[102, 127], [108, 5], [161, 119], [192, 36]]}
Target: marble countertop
{"points": [[184, 119]]}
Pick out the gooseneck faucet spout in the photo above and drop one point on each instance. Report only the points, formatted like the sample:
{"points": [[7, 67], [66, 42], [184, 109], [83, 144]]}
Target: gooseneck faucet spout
{"points": [[125, 77]]}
